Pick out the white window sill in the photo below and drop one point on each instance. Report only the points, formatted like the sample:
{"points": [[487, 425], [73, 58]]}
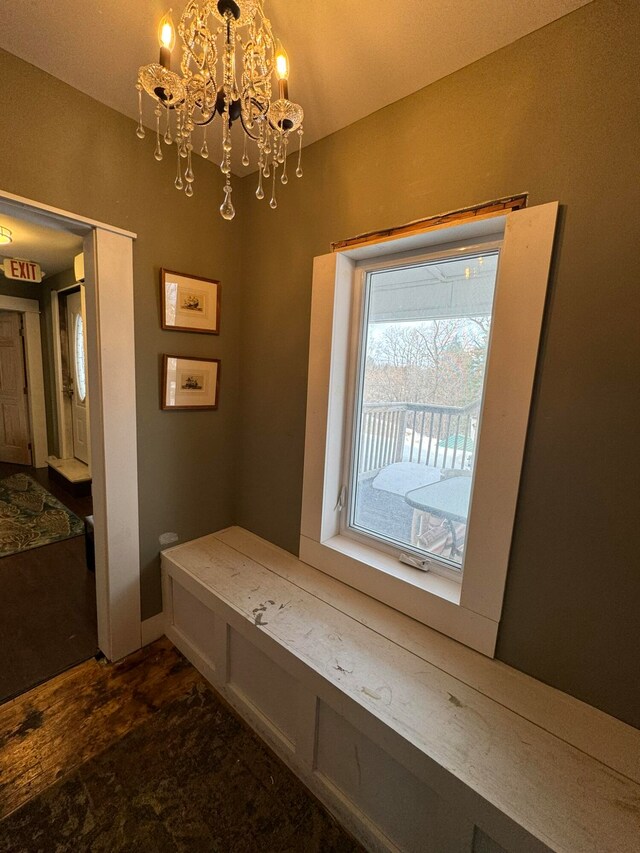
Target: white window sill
{"points": [[426, 597], [369, 557]]}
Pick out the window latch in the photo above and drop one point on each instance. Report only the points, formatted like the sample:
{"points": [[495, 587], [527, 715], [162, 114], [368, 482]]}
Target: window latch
{"points": [[415, 562], [342, 495]]}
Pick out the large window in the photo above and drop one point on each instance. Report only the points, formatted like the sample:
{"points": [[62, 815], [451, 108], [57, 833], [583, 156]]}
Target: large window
{"points": [[421, 366], [423, 331]]}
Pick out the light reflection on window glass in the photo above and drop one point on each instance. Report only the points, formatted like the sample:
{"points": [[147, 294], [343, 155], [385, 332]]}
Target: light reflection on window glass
{"points": [[81, 376]]}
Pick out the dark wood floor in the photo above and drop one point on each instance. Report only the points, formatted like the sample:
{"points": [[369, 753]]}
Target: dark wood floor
{"points": [[47, 602], [48, 732], [143, 755]]}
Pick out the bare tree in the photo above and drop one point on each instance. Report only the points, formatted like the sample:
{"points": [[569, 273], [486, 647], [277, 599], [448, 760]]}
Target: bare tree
{"points": [[438, 362], [437, 338]]}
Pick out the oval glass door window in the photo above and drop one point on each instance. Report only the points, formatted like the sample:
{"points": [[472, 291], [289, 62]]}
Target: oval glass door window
{"points": [[81, 376]]}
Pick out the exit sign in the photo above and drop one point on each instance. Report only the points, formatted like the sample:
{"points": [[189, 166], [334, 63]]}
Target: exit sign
{"points": [[22, 270]]}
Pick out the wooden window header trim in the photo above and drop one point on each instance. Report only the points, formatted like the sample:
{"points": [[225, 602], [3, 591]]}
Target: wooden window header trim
{"points": [[486, 210]]}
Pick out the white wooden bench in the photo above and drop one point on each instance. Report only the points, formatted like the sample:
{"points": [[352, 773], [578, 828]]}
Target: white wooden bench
{"points": [[413, 741]]}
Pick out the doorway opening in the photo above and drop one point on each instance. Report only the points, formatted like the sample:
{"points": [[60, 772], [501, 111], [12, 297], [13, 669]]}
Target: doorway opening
{"points": [[47, 582], [67, 428]]}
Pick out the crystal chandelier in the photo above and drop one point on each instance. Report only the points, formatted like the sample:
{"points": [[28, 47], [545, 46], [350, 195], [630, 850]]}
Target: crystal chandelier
{"points": [[229, 55]]}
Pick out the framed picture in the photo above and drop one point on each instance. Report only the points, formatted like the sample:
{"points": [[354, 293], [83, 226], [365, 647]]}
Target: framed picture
{"points": [[190, 383], [190, 303]]}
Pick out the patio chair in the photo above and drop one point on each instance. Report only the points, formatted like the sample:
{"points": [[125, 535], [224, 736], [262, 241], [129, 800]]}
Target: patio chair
{"points": [[438, 535]]}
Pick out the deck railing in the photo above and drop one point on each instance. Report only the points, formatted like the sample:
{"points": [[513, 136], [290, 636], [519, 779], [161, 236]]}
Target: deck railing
{"points": [[441, 436]]}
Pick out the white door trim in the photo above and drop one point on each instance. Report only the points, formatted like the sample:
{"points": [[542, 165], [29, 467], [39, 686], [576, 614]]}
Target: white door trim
{"points": [[64, 423], [30, 310], [114, 452], [65, 219], [63, 419], [17, 303], [114, 464]]}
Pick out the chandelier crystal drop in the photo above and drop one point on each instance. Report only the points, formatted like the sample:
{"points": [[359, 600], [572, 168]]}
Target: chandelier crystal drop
{"points": [[229, 59]]}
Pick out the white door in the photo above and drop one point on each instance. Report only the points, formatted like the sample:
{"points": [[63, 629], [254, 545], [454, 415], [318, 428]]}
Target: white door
{"points": [[14, 414], [78, 369]]}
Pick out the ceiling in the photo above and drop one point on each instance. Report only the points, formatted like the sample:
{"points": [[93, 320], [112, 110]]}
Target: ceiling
{"points": [[348, 59], [52, 248]]}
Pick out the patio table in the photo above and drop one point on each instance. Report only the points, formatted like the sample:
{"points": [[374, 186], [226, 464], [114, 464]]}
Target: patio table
{"points": [[448, 499]]}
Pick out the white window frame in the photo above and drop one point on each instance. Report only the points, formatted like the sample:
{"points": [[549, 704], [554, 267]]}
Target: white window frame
{"points": [[358, 320], [470, 610]]}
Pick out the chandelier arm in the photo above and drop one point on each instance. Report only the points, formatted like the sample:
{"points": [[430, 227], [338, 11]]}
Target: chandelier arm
{"points": [[281, 127], [247, 131], [207, 121], [262, 111], [174, 106]]}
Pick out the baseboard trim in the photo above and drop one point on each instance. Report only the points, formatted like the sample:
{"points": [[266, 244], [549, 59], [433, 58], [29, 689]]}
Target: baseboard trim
{"points": [[152, 629]]}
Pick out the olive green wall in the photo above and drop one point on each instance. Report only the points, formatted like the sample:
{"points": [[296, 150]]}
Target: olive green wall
{"points": [[62, 148], [21, 289], [555, 114]]}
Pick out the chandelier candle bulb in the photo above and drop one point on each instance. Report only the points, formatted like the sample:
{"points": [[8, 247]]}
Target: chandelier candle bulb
{"points": [[282, 71], [167, 39], [230, 62]]}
